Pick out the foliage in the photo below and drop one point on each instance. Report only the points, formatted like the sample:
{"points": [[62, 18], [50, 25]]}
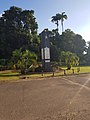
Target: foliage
{"points": [[18, 34], [24, 60], [69, 59], [18, 29], [59, 17], [63, 16], [56, 19], [87, 55], [54, 53], [69, 41]]}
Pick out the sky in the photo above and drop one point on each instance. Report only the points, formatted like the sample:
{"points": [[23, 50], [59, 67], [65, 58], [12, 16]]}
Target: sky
{"points": [[78, 12]]}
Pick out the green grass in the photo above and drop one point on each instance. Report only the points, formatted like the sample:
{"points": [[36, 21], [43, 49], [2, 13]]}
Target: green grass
{"points": [[10, 75], [83, 69]]}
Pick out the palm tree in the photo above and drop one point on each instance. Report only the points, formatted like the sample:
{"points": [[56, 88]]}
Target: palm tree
{"points": [[59, 17], [63, 16], [56, 19]]}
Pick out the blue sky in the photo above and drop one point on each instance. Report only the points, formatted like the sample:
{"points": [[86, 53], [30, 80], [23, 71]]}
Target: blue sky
{"points": [[78, 12]]}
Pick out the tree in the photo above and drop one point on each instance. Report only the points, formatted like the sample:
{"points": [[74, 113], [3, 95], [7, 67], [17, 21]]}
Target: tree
{"points": [[69, 59], [59, 17], [87, 55], [63, 16], [18, 28], [24, 60], [55, 38], [68, 41], [56, 19], [54, 52], [73, 42]]}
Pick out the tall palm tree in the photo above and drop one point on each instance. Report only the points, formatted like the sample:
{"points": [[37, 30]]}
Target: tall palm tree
{"points": [[63, 16], [59, 17], [56, 19]]}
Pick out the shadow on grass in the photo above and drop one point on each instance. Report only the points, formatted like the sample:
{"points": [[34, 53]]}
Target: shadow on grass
{"points": [[9, 75]]}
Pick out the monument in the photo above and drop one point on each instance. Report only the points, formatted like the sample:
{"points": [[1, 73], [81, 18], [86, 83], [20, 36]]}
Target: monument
{"points": [[45, 50]]}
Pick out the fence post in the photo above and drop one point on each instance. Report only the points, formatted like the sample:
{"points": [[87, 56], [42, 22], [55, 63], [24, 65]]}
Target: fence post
{"points": [[42, 72], [78, 69], [53, 73], [72, 71], [64, 72]]}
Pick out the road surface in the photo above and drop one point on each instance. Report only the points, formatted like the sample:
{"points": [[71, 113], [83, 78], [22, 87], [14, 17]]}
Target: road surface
{"points": [[60, 98]]}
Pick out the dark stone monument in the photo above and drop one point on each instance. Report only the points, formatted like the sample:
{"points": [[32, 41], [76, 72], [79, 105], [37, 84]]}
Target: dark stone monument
{"points": [[45, 50]]}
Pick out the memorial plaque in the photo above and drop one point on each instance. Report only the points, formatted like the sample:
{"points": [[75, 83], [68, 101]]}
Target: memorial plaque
{"points": [[45, 50]]}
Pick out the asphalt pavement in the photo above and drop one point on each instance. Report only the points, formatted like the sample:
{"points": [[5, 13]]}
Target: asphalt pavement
{"points": [[55, 98]]}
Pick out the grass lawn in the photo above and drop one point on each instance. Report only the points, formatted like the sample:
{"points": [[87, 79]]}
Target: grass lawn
{"points": [[9, 75], [83, 69]]}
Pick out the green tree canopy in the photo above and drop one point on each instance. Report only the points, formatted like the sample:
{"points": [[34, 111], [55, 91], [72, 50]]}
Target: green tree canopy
{"points": [[69, 41], [23, 60], [74, 43], [87, 55], [18, 28], [69, 59]]}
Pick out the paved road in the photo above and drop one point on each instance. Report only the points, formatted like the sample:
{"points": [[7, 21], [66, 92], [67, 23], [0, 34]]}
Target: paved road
{"points": [[63, 98]]}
